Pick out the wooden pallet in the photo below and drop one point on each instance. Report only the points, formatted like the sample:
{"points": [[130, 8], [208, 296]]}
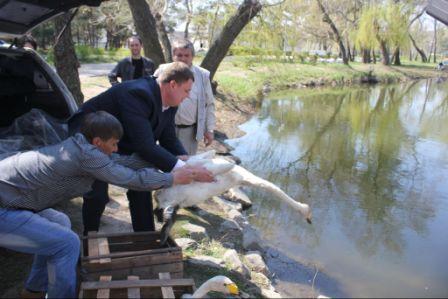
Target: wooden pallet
{"points": [[121, 255], [134, 287]]}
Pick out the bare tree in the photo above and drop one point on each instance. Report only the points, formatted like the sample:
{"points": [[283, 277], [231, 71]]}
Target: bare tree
{"points": [[245, 13], [414, 43], [189, 8], [65, 59], [145, 25], [335, 30]]}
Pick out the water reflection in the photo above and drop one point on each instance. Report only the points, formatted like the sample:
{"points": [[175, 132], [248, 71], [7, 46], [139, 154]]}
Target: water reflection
{"points": [[372, 163]]}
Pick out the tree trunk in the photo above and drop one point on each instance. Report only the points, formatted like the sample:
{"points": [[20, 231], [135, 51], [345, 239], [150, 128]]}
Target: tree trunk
{"points": [[420, 51], [145, 25], [65, 59], [435, 41], [396, 56], [188, 21], [354, 54], [328, 20], [385, 53], [349, 52], [163, 38], [246, 11], [374, 56], [366, 57]]}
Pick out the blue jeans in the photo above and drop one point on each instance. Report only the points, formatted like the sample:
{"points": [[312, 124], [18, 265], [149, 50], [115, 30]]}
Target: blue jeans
{"points": [[55, 246]]}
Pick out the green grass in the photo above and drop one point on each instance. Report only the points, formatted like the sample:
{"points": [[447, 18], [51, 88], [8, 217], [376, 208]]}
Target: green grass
{"points": [[87, 54], [245, 76]]}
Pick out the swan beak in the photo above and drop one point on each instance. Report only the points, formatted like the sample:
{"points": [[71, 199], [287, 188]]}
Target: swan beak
{"points": [[233, 289], [308, 219]]}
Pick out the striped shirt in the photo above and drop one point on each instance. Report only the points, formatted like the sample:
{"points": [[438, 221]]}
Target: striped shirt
{"points": [[36, 180]]}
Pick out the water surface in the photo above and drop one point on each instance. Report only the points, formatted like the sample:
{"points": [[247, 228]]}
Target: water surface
{"points": [[372, 162]]}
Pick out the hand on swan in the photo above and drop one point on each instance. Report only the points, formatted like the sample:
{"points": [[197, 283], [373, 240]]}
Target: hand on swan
{"points": [[187, 174]]}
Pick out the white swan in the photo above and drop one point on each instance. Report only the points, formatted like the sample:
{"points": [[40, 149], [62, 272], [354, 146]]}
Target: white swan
{"points": [[219, 283], [227, 175]]}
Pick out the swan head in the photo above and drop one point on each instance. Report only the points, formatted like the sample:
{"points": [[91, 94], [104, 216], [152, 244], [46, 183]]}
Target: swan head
{"points": [[218, 283], [305, 210], [223, 284]]}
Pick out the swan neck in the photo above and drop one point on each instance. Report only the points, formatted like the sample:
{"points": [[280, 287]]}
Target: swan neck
{"points": [[201, 292]]}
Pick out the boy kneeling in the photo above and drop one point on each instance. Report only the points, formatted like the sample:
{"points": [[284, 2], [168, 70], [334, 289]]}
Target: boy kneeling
{"points": [[32, 182]]}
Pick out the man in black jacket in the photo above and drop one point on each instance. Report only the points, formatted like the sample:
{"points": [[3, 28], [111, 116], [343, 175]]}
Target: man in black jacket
{"points": [[134, 66], [146, 108]]}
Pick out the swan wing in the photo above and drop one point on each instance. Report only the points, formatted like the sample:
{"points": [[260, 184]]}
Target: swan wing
{"points": [[205, 155]]}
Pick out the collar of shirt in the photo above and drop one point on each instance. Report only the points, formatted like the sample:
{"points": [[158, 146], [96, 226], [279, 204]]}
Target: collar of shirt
{"points": [[164, 108]]}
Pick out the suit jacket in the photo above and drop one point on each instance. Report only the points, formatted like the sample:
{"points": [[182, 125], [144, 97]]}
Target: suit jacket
{"points": [[38, 179], [137, 104], [205, 116], [125, 70]]}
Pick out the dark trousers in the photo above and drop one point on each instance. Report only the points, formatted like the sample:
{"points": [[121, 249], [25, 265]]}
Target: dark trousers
{"points": [[140, 206]]}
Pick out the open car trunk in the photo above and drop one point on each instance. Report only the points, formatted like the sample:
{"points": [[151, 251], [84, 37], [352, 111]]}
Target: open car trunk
{"points": [[34, 102]]}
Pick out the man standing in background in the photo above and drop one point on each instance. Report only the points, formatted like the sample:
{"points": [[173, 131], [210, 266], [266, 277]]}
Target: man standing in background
{"points": [[195, 117], [133, 67], [146, 108]]}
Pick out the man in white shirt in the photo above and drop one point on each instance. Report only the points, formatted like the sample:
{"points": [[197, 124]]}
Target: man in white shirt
{"points": [[195, 117]]}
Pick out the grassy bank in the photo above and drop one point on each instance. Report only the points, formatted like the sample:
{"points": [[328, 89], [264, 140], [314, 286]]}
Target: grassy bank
{"points": [[246, 77]]}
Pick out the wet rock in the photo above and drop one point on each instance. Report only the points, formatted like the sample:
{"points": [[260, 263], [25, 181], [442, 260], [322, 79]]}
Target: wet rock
{"points": [[255, 262], [229, 225], [233, 261], [270, 293], [266, 89], [267, 290], [228, 245], [186, 243], [202, 213], [196, 232], [261, 280], [238, 195], [225, 205], [208, 261], [237, 216], [251, 240]]}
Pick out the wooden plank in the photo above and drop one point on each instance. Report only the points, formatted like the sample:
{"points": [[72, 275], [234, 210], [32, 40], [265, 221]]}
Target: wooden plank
{"points": [[167, 292], [123, 284], [132, 237], [133, 292], [104, 293], [103, 248], [135, 261], [92, 245], [154, 252], [124, 236], [144, 271], [134, 246]]}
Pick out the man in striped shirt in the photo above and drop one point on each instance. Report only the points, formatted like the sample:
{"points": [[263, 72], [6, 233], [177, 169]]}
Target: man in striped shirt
{"points": [[34, 181]]}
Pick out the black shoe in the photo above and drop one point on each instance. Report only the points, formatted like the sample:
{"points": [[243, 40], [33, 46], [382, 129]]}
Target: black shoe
{"points": [[159, 214]]}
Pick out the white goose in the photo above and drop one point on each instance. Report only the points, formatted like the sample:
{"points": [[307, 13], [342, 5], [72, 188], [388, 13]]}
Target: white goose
{"points": [[227, 175], [219, 283]]}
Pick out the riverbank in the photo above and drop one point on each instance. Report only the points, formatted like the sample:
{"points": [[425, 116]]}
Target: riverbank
{"points": [[248, 78], [240, 89]]}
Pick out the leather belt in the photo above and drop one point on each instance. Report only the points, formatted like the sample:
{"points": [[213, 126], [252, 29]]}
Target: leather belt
{"points": [[185, 126]]}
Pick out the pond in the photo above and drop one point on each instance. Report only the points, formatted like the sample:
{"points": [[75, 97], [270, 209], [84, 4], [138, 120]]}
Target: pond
{"points": [[372, 162]]}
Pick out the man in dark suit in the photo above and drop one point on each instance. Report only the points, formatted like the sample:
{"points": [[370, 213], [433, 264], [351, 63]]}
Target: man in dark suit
{"points": [[146, 108]]}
